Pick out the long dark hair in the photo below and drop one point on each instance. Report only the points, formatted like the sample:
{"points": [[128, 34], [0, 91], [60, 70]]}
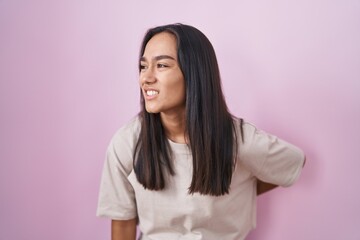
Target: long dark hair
{"points": [[209, 125]]}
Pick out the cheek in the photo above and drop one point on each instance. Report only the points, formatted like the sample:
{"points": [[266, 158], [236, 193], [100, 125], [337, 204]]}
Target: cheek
{"points": [[180, 81], [181, 90], [174, 84]]}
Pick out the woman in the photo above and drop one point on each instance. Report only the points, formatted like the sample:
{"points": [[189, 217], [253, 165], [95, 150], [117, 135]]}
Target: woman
{"points": [[185, 168]]}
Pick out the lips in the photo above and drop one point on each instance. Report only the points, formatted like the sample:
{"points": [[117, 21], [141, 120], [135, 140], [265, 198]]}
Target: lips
{"points": [[150, 93]]}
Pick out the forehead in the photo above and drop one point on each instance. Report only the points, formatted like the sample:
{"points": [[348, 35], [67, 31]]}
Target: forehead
{"points": [[161, 44]]}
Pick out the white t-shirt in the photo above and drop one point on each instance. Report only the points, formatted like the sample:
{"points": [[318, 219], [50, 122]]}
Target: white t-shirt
{"points": [[172, 213]]}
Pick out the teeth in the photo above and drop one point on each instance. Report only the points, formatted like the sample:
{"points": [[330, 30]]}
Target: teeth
{"points": [[151, 92]]}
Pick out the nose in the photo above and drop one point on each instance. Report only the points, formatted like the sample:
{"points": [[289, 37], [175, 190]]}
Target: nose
{"points": [[147, 76]]}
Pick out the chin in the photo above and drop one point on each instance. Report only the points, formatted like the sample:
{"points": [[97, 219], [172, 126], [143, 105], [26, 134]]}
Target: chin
{"points": [[149, 110]]}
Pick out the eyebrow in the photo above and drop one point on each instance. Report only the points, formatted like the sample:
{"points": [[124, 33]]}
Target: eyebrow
{"points": [[157, 58]]}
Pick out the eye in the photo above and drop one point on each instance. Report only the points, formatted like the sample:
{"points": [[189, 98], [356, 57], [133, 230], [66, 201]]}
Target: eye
{"points": [[142, 67], [160, 65]]}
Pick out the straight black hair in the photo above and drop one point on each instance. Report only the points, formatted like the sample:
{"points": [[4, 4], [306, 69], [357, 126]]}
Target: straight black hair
{"points": [[210, 127]]}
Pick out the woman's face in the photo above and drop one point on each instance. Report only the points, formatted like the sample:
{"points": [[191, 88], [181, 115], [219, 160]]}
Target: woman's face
{"points": [[161, 80]]}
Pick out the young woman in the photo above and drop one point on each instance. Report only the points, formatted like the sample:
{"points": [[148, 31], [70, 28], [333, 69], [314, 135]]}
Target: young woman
{"points": [[185, 168]]}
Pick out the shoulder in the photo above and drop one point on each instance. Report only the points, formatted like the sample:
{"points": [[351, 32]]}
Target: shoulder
{"points": [[256, 142], [252, 144], [247, 132], [128, 132], [122, 145], [268, 157]]}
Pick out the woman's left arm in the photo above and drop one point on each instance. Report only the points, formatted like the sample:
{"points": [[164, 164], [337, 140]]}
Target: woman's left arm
{"points": [[263, 187]]}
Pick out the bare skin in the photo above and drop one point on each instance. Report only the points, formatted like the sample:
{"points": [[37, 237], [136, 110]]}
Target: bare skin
{"points": [[174, 125], [163, 87], [123, 229], [263, 187], [163, 84]]}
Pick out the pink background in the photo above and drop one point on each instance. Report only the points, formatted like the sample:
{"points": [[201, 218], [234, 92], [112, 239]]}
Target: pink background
{"points": [[68, 80]]}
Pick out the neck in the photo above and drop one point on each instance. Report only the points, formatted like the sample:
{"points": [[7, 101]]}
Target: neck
{"points": [[174, 126]]}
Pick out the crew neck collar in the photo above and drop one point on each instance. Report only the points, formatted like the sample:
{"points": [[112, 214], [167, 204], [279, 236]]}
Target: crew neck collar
{"points": [[180, 148]]}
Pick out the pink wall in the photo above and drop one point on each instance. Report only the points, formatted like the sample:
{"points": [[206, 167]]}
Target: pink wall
{"points": [[68, 80]]}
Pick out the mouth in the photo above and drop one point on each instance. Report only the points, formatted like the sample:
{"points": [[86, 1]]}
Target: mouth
{"points": [[151, 93]]}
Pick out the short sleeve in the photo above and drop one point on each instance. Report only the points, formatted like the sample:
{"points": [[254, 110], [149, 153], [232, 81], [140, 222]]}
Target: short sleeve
{"points": [[116, 195], [269, 158]]}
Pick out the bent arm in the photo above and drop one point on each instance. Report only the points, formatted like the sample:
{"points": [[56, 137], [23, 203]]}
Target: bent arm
{"points": [[263, 187], [123, 229]]}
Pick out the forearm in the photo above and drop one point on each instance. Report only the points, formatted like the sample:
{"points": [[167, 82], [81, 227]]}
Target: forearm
{"points": [[123, 229], [263, 187]]}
